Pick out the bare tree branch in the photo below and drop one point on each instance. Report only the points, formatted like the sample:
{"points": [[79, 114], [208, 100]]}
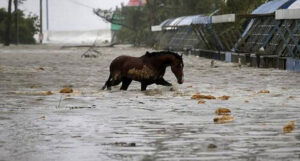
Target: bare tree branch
{"points": [[108, 16]]}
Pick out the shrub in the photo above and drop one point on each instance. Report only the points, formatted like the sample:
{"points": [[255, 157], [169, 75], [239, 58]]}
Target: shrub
{"points": [[28, 27]]}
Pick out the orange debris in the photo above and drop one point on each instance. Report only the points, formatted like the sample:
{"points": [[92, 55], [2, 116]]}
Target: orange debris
{"points": [[264, 91], [224, 97], [200, 96], [223, 111], [201, 102], [289, 127], [66, 90], [223, 119]]}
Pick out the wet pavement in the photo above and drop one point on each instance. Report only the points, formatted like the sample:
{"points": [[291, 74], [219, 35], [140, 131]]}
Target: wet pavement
{"points": [[162, 123]]}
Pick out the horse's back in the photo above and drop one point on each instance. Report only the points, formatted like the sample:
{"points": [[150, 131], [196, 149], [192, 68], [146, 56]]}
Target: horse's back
{"points": [[118, 61], [122, 62]]}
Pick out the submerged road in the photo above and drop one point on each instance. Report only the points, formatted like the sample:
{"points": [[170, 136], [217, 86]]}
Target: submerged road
{"points": [[39, 123]]}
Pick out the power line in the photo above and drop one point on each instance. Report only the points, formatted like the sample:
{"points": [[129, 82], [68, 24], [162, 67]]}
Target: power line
{"points": [[80, 4]]}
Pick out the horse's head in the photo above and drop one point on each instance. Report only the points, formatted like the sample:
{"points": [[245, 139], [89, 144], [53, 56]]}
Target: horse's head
{"points": [[177, 67], [168, 58]]}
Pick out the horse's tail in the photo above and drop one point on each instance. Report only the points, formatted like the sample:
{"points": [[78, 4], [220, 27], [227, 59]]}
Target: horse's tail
{"points": [[107, 82]]}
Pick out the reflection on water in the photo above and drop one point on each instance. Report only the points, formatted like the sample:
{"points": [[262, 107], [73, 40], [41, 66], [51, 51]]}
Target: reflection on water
{"points": [[159, 124]]}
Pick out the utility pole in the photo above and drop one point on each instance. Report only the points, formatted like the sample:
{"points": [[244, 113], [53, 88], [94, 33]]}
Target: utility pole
{"points": [[47, 13], [41, 22], [16, 21], [8, 25]]}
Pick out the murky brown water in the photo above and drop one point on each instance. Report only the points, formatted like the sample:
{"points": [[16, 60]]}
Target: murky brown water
{"points": [[160, 124]]}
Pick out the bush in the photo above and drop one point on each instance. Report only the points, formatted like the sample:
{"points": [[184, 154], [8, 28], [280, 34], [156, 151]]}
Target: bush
{"points": [[27, 27]]}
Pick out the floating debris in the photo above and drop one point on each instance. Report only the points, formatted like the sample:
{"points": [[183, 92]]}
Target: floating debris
{"points": [[212, 146], [81, 107], [35, 86], [201, 102], [48, 93], [66, 90], [222, 111], [41, 93], [224, 97], [124, 144], [91, 53], [223, 119], [200, 96], [288, 128], [264, 91], [42, 117], [40, 68]]}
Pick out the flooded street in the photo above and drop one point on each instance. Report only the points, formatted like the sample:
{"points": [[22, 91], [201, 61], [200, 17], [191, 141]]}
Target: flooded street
{"points": [[39, 123]]}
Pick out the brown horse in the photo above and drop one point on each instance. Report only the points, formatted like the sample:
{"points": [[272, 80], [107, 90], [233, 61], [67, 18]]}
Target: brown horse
{"points": [[147, 69]]}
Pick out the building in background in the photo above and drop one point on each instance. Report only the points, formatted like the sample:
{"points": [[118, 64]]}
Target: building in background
{"points": [[136, 3]]}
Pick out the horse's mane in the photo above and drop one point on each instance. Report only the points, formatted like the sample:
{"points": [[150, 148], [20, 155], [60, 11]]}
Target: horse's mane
{"points": [[161, 53]]}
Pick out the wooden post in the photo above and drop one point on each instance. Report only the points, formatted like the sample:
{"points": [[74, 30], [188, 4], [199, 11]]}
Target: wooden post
{"points": [[16, 21], [41, 22], [8, 25], [47, 14]]}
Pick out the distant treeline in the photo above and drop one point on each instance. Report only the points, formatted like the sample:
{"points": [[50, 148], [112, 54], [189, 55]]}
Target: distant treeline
{"points": [[140, 19], [27, 27]]}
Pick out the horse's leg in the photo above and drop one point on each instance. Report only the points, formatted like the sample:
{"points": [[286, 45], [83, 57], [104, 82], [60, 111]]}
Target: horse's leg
{"points": [[113, 80], [110, 83], [125, 83], [107, 83], [163, 82], [144, 86]]}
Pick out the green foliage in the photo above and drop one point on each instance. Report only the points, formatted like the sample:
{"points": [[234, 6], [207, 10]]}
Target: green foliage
{"points": [[136, 26], [140, 19], [27, 27], [242, 6]]}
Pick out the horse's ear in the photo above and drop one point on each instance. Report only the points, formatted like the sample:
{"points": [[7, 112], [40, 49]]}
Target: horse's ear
{"points": [[181, 54]]}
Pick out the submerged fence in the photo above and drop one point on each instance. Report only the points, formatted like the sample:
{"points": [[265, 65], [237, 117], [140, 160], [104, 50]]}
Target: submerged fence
{"points": [[197, 32], [273, 35]]}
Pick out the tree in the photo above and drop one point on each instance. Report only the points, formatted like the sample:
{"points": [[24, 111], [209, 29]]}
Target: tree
{"points": [[242, 6], [140, 19], [28, 27]]}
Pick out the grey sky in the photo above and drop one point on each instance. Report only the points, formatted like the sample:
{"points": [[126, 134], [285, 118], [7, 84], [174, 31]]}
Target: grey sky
{"points": [[68, 15]]}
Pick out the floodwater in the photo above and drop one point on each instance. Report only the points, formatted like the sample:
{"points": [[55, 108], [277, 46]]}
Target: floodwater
{"points": [[162, 123]]}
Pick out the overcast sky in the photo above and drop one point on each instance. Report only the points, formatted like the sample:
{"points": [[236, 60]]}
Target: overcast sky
{"points": [[68, 15]]}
